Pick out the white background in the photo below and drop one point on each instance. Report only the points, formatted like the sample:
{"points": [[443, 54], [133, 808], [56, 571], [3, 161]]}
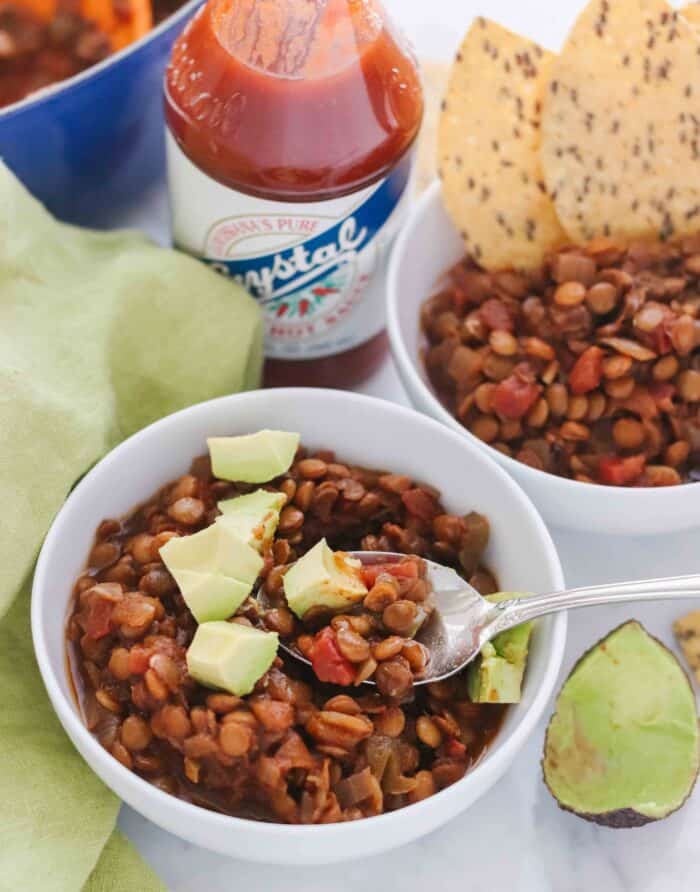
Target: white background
{"points": [[515, 839]]}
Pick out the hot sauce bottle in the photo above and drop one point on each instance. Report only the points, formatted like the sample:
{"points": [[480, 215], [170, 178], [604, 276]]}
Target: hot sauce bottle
{"points": [[290, 124]]}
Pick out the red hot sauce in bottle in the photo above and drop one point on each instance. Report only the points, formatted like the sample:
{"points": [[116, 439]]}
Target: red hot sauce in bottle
{"points": [[290, 124]]}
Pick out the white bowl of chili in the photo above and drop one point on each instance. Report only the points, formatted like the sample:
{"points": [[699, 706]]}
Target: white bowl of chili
{"points": [[425, 250], [520, 551]]}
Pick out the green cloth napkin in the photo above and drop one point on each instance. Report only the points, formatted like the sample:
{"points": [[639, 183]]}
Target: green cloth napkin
{"points": [[100, 334]]}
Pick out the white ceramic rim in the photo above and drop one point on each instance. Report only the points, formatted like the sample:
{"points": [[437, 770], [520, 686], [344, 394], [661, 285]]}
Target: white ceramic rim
{"points": [[136, 789], [95, 71], [631, 499]]}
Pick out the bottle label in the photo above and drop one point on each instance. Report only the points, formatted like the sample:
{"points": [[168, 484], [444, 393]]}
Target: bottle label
{"points": [[308, 264]]}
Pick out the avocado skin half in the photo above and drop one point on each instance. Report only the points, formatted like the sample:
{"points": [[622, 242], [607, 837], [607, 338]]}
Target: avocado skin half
{"points": [[622, 818]]}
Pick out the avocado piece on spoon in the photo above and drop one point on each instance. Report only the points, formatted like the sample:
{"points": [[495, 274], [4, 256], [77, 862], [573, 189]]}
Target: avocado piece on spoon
{"points": [[323, 578], [623, 748]]}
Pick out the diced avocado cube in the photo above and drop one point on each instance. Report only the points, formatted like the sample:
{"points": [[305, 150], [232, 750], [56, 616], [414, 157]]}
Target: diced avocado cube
{"points": [[211, 596], [322, 578], [492, 679], [215, 570], [253, 458], [259, 502], [253, 517], [496, 675], [217, 549], [230, 657], [514, 644]]}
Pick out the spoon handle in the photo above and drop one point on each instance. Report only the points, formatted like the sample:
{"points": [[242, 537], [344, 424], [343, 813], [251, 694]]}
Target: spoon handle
{"points": [[519, 610]]}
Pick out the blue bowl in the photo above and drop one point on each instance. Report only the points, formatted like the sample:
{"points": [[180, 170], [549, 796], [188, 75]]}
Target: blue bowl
{"points": [[91, 145]]}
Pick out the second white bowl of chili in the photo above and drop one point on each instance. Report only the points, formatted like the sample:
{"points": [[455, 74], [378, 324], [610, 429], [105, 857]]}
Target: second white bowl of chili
{"points": [[428, 247]]}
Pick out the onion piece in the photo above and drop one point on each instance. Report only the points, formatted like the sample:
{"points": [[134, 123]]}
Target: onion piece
{"points": [[356, 788], [393, 781], [378, 748]]}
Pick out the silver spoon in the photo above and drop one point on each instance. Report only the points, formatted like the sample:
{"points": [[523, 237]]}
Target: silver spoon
{"points": [[463, 621]]}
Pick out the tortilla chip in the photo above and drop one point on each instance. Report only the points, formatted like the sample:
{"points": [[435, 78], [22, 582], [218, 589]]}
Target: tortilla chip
{"points": [[435, 77], [489, 136], [691, 13], [620, 131], [687, 631]]}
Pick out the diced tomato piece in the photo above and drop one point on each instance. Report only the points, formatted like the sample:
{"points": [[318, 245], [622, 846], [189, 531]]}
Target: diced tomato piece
{"points": [[327, 661], [420, 503], [455, 749], [662, 393], [660, 337], [587, 371], [617, 471], [402, 570], [514, 396], [98, 622], [494, 313]]}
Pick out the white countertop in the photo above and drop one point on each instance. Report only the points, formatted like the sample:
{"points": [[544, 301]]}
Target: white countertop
{"points": [[515, 838]]}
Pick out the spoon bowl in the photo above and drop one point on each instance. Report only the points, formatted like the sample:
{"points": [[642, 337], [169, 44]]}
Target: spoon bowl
{"points": [[462, 620], [453, 633]]}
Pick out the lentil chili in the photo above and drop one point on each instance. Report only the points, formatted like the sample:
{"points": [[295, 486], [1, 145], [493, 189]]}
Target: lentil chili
{"points": [[35, 53], [295, 750], [588, 368]]}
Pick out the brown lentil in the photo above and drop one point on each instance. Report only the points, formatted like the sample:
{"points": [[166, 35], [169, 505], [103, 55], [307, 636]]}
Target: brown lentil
{"points": [[602, 298], [425, 786], [503, 343], [620, 388], [486, 428], [400, 616], [677, 453], [665, 368], [391, 722], [119, 664], [187, 511], [291, 520], [135, 734], [428, 732], [387, 648], [689, 385], [352, 646], [235, 739], [394, 679], [381, 595], [616, 366], [628, 433], [304, 495]]}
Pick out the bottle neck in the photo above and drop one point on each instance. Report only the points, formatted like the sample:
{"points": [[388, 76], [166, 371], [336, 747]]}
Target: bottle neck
{"points": [[291, 139]]}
